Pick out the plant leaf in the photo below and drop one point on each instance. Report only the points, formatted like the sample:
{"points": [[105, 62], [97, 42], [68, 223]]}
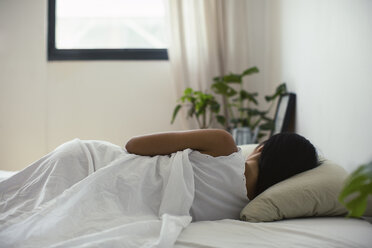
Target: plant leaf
{"points": [[223, 89], [255, 112], [356, 189], [221, 119], [218, 79], [280, 90], [214, 106], [250, 96], [264, 117], [191, 111], [250, 71], [188, 91], [235, 120], [175, 112], [232, 78]]}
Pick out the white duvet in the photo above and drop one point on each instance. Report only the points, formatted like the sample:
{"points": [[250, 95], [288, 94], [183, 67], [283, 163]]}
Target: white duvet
{"points": [[93, 194]]}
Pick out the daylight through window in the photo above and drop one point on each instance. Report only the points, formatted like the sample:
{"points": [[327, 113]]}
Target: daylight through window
{"points": [[111, 25]]}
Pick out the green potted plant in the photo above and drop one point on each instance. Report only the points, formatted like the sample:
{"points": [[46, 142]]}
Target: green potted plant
{"points": [[201, 106], [357, 188], [242, 115]]}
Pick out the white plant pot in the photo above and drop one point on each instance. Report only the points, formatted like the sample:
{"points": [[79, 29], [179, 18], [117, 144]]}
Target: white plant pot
{"points": [[244, 135]]}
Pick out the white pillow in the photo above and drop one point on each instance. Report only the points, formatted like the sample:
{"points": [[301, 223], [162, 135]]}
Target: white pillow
{"points": [[310, 193]]}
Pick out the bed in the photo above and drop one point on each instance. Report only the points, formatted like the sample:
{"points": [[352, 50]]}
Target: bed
{"points": [[269, 222], [300, 232]]}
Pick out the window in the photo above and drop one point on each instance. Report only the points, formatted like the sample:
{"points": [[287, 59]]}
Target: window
{"points": [[107, 30]]}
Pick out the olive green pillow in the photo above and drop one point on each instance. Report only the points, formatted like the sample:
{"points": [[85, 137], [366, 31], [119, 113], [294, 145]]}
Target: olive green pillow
{"points": [[311, 193]]}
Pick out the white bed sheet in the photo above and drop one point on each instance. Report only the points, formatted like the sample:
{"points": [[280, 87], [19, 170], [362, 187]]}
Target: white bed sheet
{"points": [[6, 174], [307, 232], [127, 202]]}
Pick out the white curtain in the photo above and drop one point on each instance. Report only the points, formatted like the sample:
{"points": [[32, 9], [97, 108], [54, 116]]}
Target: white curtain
{"points": [[204, 43]]}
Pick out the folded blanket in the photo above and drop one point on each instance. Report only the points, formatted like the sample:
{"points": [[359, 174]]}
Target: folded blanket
{"points": [[90, 193]]}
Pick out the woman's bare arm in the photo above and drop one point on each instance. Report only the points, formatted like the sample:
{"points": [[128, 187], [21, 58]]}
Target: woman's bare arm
{"points": [[215, 142]]}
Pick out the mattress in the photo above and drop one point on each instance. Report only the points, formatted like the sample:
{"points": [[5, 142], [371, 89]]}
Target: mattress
{"points": [[306, 232]]}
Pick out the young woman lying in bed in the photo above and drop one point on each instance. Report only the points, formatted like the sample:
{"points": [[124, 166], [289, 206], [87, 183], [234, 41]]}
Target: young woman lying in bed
{"points": [[223, 181], [274, 160]]}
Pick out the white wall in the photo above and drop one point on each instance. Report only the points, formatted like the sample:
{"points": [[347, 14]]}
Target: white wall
{"points": [[43, 104], [323, 50]]}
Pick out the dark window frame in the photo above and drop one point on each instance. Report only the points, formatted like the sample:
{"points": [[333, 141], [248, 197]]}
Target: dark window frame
{"points": [[95, 54]]}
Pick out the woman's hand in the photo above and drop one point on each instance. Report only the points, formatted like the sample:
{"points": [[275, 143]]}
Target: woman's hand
{"points": [[215, 142]]}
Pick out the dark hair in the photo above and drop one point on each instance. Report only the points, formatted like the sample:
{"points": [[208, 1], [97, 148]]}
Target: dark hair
{"points": [[284, 155]]}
